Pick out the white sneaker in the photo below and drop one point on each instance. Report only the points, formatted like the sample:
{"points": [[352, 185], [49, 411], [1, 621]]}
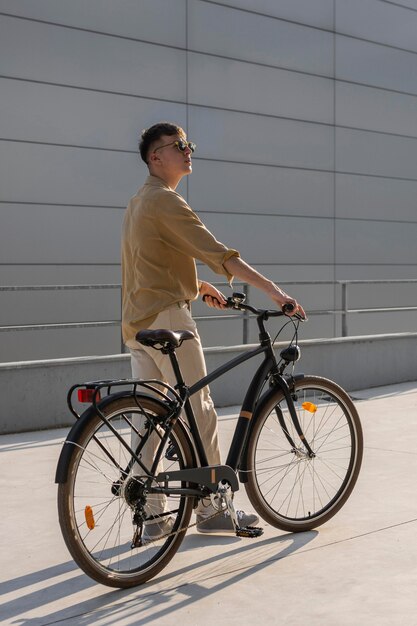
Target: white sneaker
{"points": [[222, 523], [156, 529]]}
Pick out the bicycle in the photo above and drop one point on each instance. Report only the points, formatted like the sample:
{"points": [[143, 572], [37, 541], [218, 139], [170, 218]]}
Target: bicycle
{"points": [[297, 448]]}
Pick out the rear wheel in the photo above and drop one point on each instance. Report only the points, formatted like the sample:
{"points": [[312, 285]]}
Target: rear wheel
{"points": [[288, 488], [99, 505]]}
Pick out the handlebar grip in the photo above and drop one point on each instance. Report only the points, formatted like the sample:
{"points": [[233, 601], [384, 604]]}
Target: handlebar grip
{"points": [[207, 296], [288, 307]]}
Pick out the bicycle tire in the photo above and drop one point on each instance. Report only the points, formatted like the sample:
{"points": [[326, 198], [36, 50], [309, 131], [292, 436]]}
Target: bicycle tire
{"points": [[288, 489], [104, 552]]}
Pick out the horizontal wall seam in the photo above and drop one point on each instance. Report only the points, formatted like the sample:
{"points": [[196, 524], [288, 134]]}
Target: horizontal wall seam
{"points": [[63, 204], [199, 264], [60, 264], [92, 31], [286, 19], [228, 110], [307, 169], [259, 164], [397, 4], [184, 103], [267, 15], [184, 49], [225, 212], [331, 218]]}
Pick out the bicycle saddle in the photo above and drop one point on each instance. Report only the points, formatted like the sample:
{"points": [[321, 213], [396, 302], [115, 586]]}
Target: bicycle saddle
{"points": [[163, 337]]}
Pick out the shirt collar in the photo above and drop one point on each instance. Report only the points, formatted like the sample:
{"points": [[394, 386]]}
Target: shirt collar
{"points": [[155, 181]]}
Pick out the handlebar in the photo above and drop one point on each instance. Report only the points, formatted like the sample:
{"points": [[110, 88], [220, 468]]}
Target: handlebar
{"points": [[237, 302]]}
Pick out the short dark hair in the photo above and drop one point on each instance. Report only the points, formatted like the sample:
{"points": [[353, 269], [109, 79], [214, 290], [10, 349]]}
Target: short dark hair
{"points": [[155, 132]]}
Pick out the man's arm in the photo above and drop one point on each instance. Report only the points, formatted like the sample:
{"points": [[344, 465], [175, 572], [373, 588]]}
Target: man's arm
{"points": [[239, 268]]}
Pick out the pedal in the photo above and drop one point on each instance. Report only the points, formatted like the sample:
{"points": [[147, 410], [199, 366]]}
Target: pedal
{"points": [[249, 531]]}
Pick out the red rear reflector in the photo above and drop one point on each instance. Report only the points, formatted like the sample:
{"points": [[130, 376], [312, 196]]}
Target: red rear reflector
{"points": [[87, 395]]}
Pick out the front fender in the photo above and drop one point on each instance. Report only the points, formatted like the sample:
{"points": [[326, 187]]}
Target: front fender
{"points": [[74, 434], [275, 393]]}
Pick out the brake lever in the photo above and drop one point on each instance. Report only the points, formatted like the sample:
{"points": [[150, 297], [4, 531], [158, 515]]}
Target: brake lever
{"points": [[288, 307]]}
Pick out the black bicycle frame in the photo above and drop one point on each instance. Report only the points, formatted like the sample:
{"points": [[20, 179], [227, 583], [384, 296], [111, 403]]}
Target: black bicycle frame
{"points": [[252, 394]]}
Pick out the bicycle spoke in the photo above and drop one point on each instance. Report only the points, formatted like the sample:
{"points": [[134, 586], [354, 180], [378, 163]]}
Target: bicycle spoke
{"points": [[289, 487]]}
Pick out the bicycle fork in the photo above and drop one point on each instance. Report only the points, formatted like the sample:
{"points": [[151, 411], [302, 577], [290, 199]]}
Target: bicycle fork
{"points": [[282, 383]]}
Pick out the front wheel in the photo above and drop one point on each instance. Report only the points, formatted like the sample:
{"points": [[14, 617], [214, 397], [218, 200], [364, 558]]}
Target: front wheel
{"points": [[289, 488]]}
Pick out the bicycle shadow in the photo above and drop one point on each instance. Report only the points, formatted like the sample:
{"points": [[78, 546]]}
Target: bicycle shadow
{"points": [[236, 562]]}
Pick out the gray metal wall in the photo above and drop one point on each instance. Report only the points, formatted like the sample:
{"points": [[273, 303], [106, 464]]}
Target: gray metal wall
{"points": [[304, 112]]}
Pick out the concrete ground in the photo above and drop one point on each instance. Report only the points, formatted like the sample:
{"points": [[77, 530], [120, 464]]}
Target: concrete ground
{"points": [[359, 568]]}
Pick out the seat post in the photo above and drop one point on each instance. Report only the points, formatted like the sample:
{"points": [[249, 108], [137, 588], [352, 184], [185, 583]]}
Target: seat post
{"points": [[176, 367]]}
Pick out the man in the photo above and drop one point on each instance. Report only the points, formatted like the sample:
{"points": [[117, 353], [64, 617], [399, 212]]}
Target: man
{"points": [[161, 239]]}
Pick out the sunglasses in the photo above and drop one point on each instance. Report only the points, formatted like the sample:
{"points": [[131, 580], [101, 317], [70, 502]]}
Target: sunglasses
{"points": [[180, 144]]}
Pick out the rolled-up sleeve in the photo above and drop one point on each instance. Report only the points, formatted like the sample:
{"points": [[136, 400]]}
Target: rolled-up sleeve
{"points": [[181, 228]]}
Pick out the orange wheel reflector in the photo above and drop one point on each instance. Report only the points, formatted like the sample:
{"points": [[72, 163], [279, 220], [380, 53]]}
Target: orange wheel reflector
{"points": [[89, 517], [309, 406]]}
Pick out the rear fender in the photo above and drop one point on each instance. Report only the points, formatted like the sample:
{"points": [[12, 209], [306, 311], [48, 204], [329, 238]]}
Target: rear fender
{"points": [[74, 434]]}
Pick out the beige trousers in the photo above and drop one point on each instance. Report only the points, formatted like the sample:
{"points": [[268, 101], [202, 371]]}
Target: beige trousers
{"points": [[150, 363]]}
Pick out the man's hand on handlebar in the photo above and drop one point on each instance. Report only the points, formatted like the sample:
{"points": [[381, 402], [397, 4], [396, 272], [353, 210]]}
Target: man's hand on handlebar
{"points": [[289, 305], [212, 296], [215, 299]]}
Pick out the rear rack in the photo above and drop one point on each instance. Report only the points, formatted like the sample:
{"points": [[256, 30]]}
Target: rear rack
{"points": [[96, 386]]}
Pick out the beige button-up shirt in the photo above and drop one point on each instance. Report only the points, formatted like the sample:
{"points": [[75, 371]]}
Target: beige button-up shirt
{"points": [[161, 238]]}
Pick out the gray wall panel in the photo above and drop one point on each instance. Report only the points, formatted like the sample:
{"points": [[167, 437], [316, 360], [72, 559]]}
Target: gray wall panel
{"points": [[260, 189], [375, 198], [49, 113], [43, 52], [61, 175], [59, 274], [258, 39], [318, 13], [26, 234], [368, 108], [403, 293], [372, 271], [372, 153], [59, 343], [382, 323], [375, 242], [262, 183], [412, 4], [245, 87], [376, 65], [274, 239], [59, 307], [291, 269], [139, 19], [377, 21], [254, 139]]}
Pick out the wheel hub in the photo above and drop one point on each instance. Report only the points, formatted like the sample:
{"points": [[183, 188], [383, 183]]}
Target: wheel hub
{"points": [[133, 490]]}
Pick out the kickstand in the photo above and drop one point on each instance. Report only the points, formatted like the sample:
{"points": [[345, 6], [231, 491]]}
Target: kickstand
{"points": [[241, 531]]}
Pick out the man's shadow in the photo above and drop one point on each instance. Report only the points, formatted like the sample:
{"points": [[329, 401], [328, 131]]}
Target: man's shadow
{"points": [[237, 562]]}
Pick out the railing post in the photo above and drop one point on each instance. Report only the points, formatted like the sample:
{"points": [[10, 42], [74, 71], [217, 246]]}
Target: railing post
{"points": [[122, 345], [245, 290], [345, 310], [246, 316]]}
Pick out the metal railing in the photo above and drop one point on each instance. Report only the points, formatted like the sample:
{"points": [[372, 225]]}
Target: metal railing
{"points": [[343, 311]]}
